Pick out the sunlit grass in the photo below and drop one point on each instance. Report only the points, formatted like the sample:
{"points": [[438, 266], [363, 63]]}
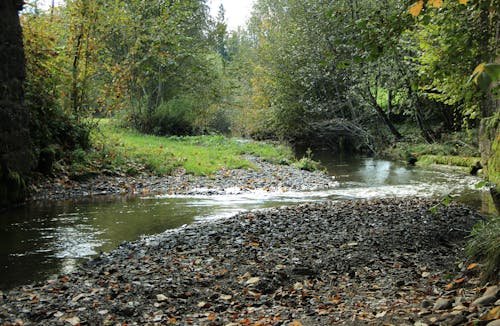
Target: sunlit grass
{"points": [[198, 155]]}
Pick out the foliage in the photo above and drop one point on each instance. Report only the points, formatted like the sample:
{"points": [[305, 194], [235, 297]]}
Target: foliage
{"points": [[127, 151], [307, 163], [484, 245], [467, 162]]}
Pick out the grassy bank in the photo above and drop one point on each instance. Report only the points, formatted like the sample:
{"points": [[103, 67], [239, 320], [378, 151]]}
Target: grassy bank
{"points": [[456, 150], [123, 151]]}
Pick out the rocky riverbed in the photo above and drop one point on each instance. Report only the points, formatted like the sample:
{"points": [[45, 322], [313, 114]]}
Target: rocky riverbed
{"points": [[264, 175], [377, 262]]}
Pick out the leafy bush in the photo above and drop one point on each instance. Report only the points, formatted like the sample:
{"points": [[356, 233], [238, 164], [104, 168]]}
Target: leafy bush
{"points": [[307, 163], [484, 246], [176, 117]]}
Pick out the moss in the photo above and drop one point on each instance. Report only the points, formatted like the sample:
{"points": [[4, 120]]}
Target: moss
{"points": [[493, 170], [12, 187], [448, 160]]}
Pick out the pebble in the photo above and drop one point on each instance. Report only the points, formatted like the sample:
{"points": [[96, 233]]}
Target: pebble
{"points": [[489, 296], [442, 304], [301, 270], [266, 176]]}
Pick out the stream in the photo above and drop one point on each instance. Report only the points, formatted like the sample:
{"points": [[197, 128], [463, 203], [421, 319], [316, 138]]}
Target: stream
{"points": [[43, 239]]}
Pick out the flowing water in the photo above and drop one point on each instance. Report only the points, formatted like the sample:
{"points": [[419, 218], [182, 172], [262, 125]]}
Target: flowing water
{"points": [[42, 239]]}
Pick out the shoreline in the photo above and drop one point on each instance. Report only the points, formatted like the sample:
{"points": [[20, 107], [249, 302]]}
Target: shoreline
{"points": [[267, 176], [349, 262]]}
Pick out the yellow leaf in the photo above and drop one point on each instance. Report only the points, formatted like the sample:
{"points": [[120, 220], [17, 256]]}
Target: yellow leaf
{"points": [[472, 266], [295, 323], [416, 8], [478, 71], [493, 314], [463, 2], [435, 3]]}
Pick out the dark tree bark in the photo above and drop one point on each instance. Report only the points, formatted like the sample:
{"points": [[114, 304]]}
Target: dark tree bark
{"points": [[383, 115], [15, 150]]}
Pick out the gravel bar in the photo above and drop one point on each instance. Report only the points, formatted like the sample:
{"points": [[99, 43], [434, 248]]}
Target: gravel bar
{"points": [[373, 262]]}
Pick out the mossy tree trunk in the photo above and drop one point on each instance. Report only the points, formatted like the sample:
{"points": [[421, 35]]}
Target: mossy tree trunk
{"points": [[15, 150]]}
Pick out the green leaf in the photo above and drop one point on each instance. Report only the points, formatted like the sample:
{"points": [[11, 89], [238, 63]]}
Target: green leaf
{"points": [[482, 184], [493, 70]]}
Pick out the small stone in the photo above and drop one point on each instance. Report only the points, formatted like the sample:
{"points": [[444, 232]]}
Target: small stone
{"points": [[453, 320], [226, 297], [161, 298], [426, 304], [492, 291], [484, 301], [442, 304], [420, 323], [253, 280], [494, 323]]}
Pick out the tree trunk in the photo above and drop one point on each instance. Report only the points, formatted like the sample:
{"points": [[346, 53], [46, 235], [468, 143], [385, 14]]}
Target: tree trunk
{"points": [[15, 150], [383, 115]]}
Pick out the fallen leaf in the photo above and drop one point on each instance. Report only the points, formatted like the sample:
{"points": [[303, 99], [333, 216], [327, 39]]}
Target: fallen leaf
{"points": [[459, 281], [295, 323], [381, 314], [336, 300], [472, 266], [494, 313], [211, 316], [254, 244]]}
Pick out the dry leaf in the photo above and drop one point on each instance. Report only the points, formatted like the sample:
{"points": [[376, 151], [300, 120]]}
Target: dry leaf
{"points": [[460, 280], [295, 323], [211, 316], [494, 313], [472, 266]]}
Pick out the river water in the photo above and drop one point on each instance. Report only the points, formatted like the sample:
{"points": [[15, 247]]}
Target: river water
{"points": [[46, 238]]}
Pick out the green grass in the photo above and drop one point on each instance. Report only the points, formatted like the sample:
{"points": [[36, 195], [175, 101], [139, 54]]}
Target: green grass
{"points": [[448, 160], [130, 151], [484, 246], [459, 149]]}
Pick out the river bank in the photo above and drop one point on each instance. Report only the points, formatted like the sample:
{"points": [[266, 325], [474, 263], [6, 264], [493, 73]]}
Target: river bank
{"points": [[349, 262], [262, 176]]}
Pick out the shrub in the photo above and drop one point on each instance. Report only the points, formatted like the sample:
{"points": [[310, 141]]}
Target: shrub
{"points": [[484, 246]]}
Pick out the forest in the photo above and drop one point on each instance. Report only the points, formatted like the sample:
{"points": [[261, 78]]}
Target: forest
{"points": [[131, 98], [349, 75]]}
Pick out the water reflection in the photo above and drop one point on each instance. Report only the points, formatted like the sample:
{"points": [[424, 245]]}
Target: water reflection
{"points": [[41, 239]]}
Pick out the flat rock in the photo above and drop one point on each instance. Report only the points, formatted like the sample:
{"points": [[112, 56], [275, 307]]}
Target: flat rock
{"points": [[442, 304]]}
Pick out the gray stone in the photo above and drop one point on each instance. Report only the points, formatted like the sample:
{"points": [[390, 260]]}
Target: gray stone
{"points": [[442, 304], [494, 323], [426, 304], [489, 296]]}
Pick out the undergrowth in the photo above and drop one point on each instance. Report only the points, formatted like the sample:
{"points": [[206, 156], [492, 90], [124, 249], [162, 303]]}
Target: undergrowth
{"points": [[484, 245], [125, 151]]}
